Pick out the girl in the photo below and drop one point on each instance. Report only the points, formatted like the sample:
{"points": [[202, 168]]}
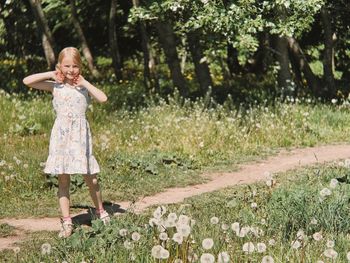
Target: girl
{"points": [[70, 150]]}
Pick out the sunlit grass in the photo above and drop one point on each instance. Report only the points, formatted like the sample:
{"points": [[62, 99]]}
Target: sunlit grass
{"points": [[165, 144], [286, 218]]}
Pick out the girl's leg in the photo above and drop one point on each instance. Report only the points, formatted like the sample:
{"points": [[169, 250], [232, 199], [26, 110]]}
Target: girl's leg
{"points": [[63, 194], [63, 199], [95, 191]]}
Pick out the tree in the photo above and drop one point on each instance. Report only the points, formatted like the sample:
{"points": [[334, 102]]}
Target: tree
{"points": [[47, 38], [113, 41], [85, 47]]}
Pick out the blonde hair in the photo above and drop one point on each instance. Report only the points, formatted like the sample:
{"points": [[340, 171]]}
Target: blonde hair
{"points": [[73, 53]]}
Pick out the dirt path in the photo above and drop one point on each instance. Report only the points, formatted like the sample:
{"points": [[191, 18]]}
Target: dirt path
{"points": [[248, 173]]}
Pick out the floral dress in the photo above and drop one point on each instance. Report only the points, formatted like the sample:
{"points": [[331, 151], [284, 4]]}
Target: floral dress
{"points": [[70, 150]]}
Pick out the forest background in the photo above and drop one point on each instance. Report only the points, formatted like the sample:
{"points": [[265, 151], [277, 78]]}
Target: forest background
{"points": [[246, 50]]}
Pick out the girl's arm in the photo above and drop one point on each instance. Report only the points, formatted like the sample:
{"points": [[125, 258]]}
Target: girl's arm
{"points": [[97, 94], [41, 81]]}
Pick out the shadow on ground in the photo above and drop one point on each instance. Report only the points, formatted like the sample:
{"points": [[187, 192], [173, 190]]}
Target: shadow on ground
{"points": [[90, 214]]}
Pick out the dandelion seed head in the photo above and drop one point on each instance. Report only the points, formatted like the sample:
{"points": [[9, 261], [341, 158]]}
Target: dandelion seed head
{"points": [[330, 243], [156, 251], [272, 242], [225, 227], [235, 227], [163, 236], [178, 238], [45, 248], [296, 244], [183, 219], [267, 259], [317, 236], [223, 257], [261, 247], [183, 229], [325, 192], [207, 243], [248, 247], [123, 232], [128, 245], [135, 236], [207, 258], [164, 254], [330, 253], [214, 220], [333, 183]]}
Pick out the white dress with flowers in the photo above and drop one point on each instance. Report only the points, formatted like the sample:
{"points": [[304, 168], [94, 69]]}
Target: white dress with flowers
{"points": [[70, 150]]}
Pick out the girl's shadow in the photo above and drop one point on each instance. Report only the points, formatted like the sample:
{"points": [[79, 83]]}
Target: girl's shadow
{"points": [[86, 218]]}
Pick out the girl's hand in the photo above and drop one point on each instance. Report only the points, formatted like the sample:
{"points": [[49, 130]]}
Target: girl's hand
{"points": [[58, 76], [79, 80]]}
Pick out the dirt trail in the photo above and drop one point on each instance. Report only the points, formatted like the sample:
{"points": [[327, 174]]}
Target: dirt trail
{"points": [[247, 173]]}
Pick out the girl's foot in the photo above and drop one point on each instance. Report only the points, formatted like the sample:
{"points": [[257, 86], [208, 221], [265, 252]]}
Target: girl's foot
{"points": [[104, 216], [66, 229]]}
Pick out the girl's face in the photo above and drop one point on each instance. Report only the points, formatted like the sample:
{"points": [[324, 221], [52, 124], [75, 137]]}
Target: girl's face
{"points": [[69, 68]]}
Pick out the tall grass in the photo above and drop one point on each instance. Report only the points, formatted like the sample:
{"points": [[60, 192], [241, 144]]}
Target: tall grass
{"points": [[166, 143]]}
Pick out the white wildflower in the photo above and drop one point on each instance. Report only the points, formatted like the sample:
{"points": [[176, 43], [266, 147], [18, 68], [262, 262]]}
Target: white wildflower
{"points": [[183, 219], [348, 256], [333, 184], [135, 236], [183, 229], [225, 227], [254, 205], [244, 231], [325, 192], [45, 248], [235, 227], [172, 217], [123, 232], [267, 259], [330, 253], [248, 247], [330, 243], [296, 244], [223, 257], [164, 254], [128, 245], [156, 250], [272, 242], [207, 258], [163, 236], [214, 220], [207, 243], [261, 247], [178, 238], [317, 236]]}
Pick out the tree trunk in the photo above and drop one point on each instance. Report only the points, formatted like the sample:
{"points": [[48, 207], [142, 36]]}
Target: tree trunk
{"points": [[201, 67], [113, 41], [232, 60], [86, 50], [149, 64], [284, 78], [312, 80], [328, 55], [47, 38], [167, 40]]}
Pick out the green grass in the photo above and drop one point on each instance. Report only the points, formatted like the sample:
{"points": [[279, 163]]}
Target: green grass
{"points": [[291, 205], [6, 230], [143, 151]]}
